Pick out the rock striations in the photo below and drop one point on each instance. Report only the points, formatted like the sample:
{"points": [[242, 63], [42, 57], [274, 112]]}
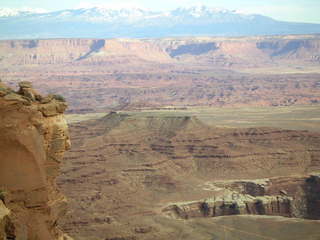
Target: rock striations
{"points": [[232, 204], [294, 196], [219, 51], [34, 137], [128, 170]]}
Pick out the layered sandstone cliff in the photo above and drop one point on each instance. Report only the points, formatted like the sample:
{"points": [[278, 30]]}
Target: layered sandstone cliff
{"points": [[34, 137], [214, 50], [78, 51], [246, 51], [293, 196], [232, 204]]}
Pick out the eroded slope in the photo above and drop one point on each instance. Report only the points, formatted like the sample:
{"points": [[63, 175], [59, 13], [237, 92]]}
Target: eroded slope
{"points": [[126, 175]]}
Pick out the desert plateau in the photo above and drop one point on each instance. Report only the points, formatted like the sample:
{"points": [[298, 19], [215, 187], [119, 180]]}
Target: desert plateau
{"points": [[103, 75], [160, 137]]}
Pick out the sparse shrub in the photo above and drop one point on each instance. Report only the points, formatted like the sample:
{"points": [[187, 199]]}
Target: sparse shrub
{"points": [[58, 97], [5, 91], [2, 195]]}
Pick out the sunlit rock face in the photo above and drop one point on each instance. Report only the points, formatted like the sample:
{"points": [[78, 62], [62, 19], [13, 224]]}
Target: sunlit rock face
{"points": [[34, 137]]}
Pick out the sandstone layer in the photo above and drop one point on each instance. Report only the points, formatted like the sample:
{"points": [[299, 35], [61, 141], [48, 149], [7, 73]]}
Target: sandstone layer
{"points": [[216, 50], [34, 137], [281, 196]]}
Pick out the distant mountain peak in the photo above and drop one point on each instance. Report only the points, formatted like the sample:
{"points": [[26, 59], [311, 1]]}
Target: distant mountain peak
{"points": [[204, 9], [108, 21], [12, 12], [115, 12]]}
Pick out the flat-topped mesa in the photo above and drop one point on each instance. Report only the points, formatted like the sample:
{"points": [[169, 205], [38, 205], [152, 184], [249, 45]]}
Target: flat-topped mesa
{"points": [[34, 137]]}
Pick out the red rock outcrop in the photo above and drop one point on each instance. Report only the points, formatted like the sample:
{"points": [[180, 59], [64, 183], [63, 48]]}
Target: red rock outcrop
{"points": [[34, 137]]}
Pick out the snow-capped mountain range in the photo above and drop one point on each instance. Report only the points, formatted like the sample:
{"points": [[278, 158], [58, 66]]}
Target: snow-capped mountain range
{"points": [[103, 14], [137, 22], [11, 12]]}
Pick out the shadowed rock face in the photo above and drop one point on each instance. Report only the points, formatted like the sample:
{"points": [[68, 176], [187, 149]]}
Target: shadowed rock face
{"points": [[193, 49], [285, 48], [95, 47], [312, 195], [34, 137]]}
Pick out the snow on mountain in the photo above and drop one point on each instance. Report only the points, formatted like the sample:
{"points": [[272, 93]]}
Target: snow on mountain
{"points": [[95, 14], [104, 22], [108, 14], [200, 11], [13, 12]]}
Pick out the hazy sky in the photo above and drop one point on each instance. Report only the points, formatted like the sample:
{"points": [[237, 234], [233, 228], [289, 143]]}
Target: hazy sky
{"points": [[290, 10]]}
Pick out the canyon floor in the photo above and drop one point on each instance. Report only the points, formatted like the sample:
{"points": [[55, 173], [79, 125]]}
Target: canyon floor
{"points": [[188, 173]]}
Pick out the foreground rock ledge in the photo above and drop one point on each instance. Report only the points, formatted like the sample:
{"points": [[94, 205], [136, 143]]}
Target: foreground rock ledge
{"points": [[33, 139]]}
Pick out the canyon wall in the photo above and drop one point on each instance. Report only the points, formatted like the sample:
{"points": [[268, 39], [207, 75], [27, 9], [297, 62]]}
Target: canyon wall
{"points": [[78, 51], [252, 51], [34, 137], [227, 205], [294, 196], [213, 50]]}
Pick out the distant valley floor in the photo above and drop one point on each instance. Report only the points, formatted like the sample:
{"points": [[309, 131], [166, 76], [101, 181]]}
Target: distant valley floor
{"points": [[194, 173], [99, 75]]}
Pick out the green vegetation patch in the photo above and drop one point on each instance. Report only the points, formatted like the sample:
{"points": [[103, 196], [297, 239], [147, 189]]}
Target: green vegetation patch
{"points": [[2, 194], [59, 98]]}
